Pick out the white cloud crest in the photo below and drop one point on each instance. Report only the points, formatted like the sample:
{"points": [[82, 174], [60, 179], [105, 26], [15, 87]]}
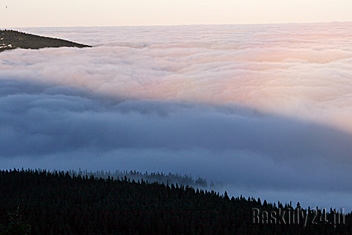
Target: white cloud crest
{"points": [[264, 108]]}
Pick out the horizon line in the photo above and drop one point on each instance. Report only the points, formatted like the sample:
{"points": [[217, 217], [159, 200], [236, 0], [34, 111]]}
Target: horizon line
{"points": [[182, 25]]}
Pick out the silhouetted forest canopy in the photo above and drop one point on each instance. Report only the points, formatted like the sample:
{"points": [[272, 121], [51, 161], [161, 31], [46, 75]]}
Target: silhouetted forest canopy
{"points": [[10, 39], [43, 202], [152, 177]]}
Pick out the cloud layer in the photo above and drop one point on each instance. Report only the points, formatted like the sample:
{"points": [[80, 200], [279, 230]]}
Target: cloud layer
{"points": [[264, 109]]}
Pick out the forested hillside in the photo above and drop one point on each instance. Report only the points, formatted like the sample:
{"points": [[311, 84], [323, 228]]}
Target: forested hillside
{"points": [[41, 202], [10, 39], [150, 177]]}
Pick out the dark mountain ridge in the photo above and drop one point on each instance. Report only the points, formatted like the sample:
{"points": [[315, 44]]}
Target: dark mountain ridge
{"points": [[11, 39], [43, 202]]}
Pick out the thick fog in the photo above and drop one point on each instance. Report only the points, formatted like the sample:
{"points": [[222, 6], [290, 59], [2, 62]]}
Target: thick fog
{"points": [[264, 109]]}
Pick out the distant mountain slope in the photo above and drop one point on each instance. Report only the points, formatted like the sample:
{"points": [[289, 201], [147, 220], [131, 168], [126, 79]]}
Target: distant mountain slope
{"points": [[10, 39]]}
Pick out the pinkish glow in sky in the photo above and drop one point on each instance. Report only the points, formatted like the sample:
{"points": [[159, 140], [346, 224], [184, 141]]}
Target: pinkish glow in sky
{"points": [[64, 13]]}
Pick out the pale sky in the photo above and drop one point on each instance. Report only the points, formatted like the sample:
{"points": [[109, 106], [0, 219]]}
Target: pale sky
{"points": [[65, 13]]}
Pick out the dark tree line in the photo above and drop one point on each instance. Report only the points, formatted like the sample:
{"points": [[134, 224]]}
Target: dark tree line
{"points": [[60, 203], [10, 39], [152, 177]]}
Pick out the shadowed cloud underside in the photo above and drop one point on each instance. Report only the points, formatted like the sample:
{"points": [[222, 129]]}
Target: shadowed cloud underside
{"points": [[264, 109]]}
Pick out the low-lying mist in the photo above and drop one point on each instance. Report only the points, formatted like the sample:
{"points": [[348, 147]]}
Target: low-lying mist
{"points": [[264, 109]]}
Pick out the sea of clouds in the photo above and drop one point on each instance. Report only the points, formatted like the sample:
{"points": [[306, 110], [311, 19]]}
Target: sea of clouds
{"points": [[264, 109]]}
